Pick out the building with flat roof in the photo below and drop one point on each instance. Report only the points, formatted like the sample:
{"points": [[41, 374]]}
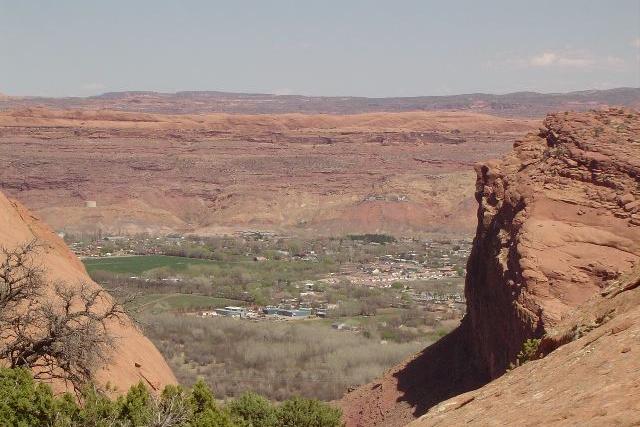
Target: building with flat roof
{"points": [[232, 311], [270, 310], [295, 313]]}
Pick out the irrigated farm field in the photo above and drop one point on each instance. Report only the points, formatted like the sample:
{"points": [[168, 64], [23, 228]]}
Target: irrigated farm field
{"points": [[141, 264]]}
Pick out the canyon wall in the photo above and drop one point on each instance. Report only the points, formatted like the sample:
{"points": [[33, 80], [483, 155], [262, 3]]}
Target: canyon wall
{"points": [[558, 220], [398, 173], [556, 247]]}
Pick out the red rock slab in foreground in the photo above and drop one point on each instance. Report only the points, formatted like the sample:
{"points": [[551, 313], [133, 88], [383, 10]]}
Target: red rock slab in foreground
{"points": [[134, 357]]}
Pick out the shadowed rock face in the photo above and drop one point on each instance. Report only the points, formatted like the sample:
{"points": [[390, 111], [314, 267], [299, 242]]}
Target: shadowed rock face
{"points": [[558, 224], [440, 371]]}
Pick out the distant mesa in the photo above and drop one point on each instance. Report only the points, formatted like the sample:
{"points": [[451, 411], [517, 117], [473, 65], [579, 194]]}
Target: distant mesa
{"points": [[518, 104]]}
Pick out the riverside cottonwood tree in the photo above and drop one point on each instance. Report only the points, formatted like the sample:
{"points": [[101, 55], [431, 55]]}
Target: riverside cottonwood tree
{"points": [[57, 330]]}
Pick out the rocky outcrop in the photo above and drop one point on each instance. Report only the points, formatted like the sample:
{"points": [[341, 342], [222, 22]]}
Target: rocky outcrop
{"points": [[134, 357], [592, 379], [557, 222], [557, 237]]}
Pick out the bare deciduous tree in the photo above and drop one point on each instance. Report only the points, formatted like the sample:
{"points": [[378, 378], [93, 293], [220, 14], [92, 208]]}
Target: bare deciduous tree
{"points": [[57, 330], [20, 278], [171, 409]]}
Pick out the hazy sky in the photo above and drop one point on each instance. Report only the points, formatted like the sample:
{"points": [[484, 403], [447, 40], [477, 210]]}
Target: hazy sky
{"points": [[319, 47]]}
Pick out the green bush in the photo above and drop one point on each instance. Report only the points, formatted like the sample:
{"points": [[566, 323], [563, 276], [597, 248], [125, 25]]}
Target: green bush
{"points": [[528, 352], [26, 403], [205, 411], [298, 412], [253, 410], [97, 410], [135, 407], [212, 418]]}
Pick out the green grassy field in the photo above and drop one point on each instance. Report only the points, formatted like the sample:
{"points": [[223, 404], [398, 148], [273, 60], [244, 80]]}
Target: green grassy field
{"points": [[161, 303], [201, 282], [140, 264], [266, 271]]}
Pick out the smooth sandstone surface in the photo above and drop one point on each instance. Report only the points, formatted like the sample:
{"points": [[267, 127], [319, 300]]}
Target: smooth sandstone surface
{"points": [[134, 357]]}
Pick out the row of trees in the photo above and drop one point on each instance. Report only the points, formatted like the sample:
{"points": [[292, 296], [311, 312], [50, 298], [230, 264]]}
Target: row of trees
{"points": [[25, 403]]}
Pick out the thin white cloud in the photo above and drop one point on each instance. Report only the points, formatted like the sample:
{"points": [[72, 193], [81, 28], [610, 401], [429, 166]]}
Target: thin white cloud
{"points": [[614, 62], [561, 59], [544, 59], [558, 59]]}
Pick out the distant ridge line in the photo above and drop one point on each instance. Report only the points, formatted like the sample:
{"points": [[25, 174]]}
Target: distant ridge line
{"points": [[516, 104]]}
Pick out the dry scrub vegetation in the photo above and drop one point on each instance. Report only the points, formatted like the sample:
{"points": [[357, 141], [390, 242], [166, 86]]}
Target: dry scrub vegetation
{"points": [[276, 359]]}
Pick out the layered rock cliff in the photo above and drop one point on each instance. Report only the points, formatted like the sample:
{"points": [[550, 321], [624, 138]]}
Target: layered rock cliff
{"points": [[134, 357], [557, 241], [398, 173], [558, 219]]}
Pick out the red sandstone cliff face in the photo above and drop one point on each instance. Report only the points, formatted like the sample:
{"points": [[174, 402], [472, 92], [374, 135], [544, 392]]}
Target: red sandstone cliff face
{"points": [[134, 357], [558, 219], [558, 224]]}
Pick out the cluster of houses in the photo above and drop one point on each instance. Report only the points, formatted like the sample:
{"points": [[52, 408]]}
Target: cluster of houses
{"points": [[435, 297], [442, 261], [101, 246], [292, 308], [389, 270], [450, 303]]}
